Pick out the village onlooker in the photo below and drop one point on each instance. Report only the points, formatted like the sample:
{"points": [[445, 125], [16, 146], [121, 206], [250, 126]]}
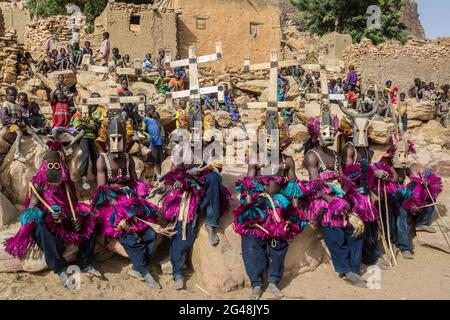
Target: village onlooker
{"points": [[69, 49], [22, 101], [403, 106], [181, 118], [160, 59], [155, 133], [160, 82], [14, 122], [180, 70], [127, 63], [176, 83], [46, 65], [63, 61], [61, 114], [87, 49], [124, 89], [24, 67], [87, 126], [427, 93], [116, 58], [384, 110], [235, 115], [147, 65], [48, 44], [105, 52], [77, 54], [352, 78], [36, 120], [415, 89]]}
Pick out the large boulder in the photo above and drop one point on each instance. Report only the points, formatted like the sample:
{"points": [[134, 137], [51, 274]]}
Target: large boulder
{"points": [[312, 109], [298, 132], [421, 110], [8, 212], [255, 87], [15, 176], [70, 78], [379, 131]]}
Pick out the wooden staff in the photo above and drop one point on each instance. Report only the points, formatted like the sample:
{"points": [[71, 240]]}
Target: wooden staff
{"points": [[388, 225], [72, 209], [383, 233], [33, 189]]}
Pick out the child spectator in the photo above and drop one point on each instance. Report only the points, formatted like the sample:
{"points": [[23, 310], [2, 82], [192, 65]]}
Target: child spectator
{"points": [[36, 120], [117, 58], [403, 106], [155, 133], [127, 61], [105, 52], [147, 65], [77, 54], [176, 83], [14, 122], [160, 82], [352, 78], [181, 116], [87, 127]]}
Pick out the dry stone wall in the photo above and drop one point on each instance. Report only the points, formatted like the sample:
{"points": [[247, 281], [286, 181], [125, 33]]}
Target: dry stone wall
{"points": [[425, 59], [8, 58], [57, 26]]}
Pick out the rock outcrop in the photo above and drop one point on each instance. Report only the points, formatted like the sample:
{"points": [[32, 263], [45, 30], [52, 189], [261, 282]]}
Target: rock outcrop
{"points": [[411, 18]]}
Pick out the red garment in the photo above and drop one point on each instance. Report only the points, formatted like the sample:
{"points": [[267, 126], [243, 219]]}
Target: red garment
{"points": [[352, 97], [60, 114]]}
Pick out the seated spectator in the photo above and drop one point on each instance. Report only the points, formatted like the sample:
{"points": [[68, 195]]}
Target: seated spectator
{"points": [[127, 63], [36, 120], [160, 82], [147, 65], [181, 116], [47, 65], [13, 120], [87, 49], [61, 115], [116, 57], [180, 70], [63, 61], [403, 108], [176, 83], [414, 91], [77, 54]]}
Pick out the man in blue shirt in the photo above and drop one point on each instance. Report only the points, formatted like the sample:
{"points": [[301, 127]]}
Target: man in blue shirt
{"points": [[155, 133]]}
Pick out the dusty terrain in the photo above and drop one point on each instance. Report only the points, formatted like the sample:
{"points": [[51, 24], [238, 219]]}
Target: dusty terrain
{"points": [[425, 277]]}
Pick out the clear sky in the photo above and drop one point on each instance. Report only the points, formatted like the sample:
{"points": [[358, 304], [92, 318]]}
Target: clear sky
{"points": [[435, 17]]}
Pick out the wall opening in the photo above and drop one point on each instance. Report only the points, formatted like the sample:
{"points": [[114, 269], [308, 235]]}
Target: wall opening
{"points": [[201, 23], [254, 29], [135, 23]]}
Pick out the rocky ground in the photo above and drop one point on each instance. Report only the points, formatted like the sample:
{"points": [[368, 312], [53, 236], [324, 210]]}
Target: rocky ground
{"points": [[405, 281]]}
